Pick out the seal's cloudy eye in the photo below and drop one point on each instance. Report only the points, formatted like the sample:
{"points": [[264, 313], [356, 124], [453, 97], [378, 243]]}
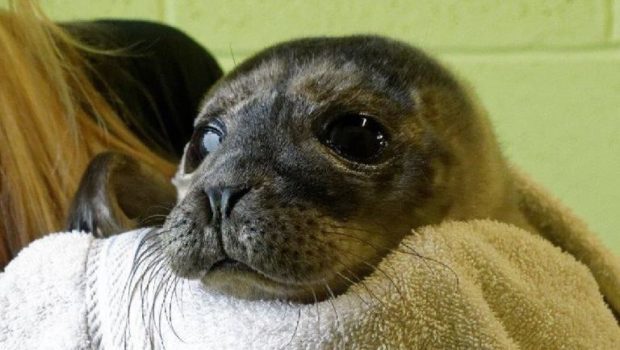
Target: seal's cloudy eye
{"points": [[205, 140], [356, 137]]}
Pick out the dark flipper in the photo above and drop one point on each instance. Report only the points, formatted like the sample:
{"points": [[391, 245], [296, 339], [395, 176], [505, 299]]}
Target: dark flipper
{"points": [[118, 193]]}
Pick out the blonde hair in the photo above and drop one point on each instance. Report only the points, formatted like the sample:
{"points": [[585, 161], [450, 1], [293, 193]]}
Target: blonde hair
{"points": [[52, 122]]}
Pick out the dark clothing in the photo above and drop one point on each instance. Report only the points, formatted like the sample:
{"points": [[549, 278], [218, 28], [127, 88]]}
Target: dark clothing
{"points": [[156, 79]]}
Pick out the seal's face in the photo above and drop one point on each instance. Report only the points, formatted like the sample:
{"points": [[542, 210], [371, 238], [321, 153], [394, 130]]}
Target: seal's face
{"points": [[307, 165]]}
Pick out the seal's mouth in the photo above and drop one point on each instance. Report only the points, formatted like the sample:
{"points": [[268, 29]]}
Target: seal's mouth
{"points": [[231, 267], [228, 264], [239, 279]]}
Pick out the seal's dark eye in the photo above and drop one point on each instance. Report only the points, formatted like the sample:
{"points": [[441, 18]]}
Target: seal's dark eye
{"points": [[356, 137], [205, 140]]}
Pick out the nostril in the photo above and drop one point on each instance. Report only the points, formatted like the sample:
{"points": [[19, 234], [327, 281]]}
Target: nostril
{"points": [[222, 200], [230, 197], [214, 195]]}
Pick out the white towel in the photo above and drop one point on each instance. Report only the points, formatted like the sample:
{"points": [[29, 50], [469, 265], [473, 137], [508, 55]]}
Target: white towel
{"points": [[482, 284]]}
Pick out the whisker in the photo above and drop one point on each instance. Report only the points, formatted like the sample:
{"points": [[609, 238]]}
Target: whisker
{"points": [[351, 282], [361, 283], [410, 251], [141, 255], [295, 331], [174, 286], [377, 268], [318, 314], [331, 299], [145, 276]]}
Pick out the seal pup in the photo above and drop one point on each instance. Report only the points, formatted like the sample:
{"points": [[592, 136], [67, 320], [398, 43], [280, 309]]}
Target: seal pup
{"points": [[308, 164], [312, 160]]}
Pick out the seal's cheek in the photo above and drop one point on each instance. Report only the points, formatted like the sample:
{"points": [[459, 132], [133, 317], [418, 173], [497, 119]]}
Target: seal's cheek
{"points": [[278, 240], [188, 241]]}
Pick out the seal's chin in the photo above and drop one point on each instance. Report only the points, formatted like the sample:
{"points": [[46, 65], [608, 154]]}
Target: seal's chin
{"points": [[234, 278]]}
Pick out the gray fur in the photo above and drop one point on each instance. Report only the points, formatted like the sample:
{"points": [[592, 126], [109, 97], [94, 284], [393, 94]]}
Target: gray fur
{"points": [[312, 222]]}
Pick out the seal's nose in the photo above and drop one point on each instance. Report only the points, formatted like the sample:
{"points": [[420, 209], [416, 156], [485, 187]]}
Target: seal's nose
{"points": [[223, 199]]}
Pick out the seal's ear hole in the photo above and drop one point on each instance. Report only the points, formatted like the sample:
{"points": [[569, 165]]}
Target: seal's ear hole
{"points": [[118, 193], [356, 137]]}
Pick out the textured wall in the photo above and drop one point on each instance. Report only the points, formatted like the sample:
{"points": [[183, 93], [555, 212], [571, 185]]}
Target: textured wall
{"points": [[548, 70]]}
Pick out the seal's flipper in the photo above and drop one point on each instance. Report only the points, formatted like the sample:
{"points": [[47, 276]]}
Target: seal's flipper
{"points": [[118, 193]]}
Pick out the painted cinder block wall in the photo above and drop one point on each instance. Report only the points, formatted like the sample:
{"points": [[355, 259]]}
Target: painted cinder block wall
{"points": [[547, 70]]}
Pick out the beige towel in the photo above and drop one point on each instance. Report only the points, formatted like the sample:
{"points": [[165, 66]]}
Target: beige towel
{"points": [[559, 225], [466, 285]]}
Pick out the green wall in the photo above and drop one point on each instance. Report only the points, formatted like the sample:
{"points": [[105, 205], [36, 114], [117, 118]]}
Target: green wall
{"points": [[547, 70]]}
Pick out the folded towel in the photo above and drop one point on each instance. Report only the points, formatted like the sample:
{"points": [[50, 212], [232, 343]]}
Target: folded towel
{"points": [[477, 284]]}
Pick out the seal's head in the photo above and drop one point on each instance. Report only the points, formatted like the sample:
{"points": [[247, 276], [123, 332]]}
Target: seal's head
{"points": [[313, 159]]}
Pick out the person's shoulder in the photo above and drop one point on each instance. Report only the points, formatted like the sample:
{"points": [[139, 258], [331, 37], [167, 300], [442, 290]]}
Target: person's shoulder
{"points": [[42, 294], [139, 35], [51, 252], [145, 30]]}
